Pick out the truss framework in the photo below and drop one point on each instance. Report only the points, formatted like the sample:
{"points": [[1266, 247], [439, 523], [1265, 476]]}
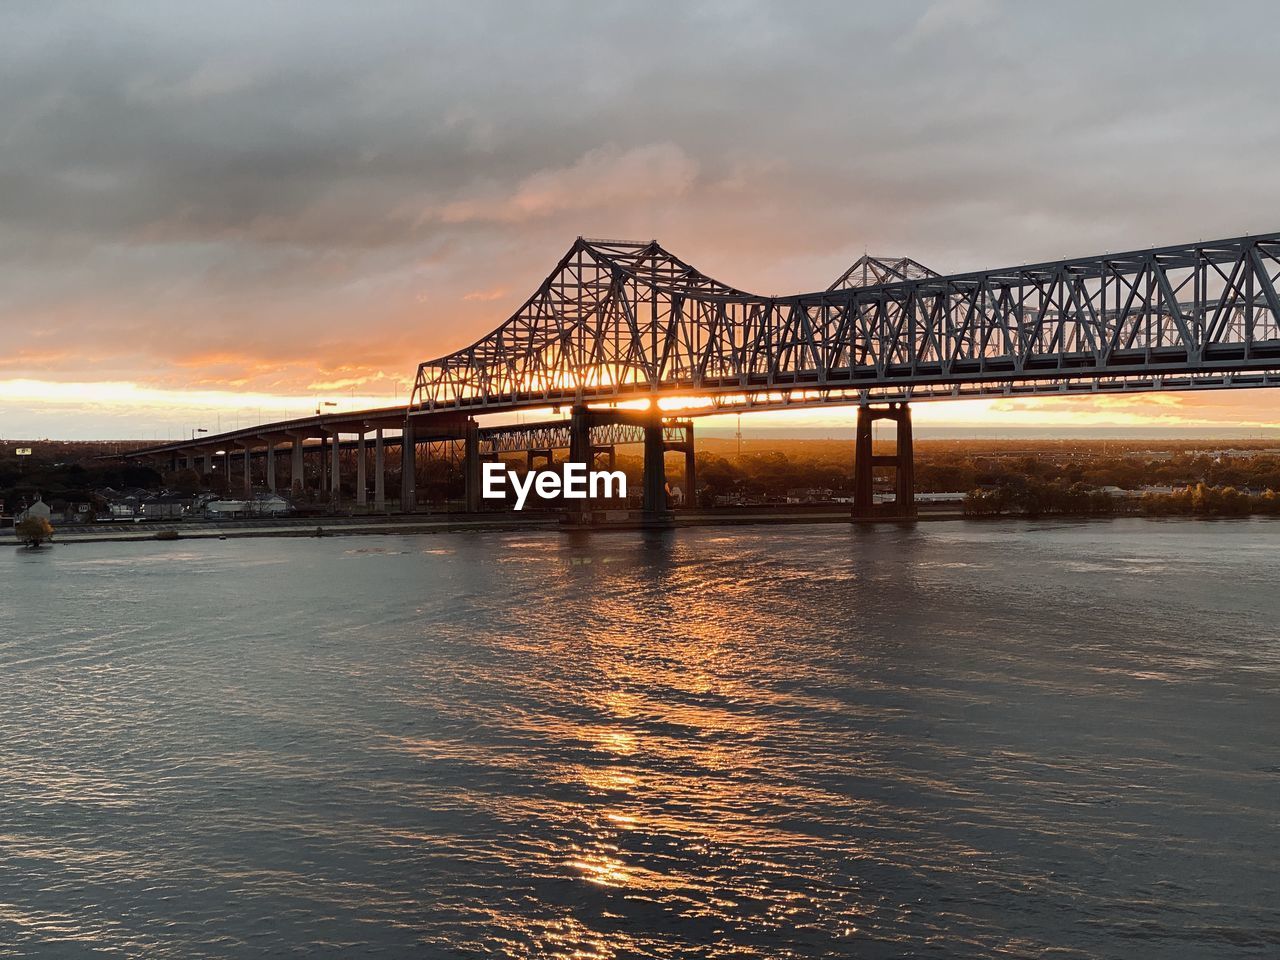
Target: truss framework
{"points": [[556, 436], [618, 320]]}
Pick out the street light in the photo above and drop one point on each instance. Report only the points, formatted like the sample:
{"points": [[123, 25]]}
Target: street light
{"points": [[327, 403], [195, 430]]}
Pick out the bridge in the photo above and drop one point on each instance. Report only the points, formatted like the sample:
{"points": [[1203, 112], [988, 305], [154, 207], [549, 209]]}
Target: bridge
{"points": [[619, 324]]}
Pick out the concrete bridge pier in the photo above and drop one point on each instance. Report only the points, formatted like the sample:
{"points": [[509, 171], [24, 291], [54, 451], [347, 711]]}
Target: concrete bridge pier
{"points": [[580, 436], [580, 451], [471, 466], [902, 460], [379, 473], [362, 469], [655, 509], [685, 445], [248, 469], [321, 488], [408, 470], [335, 486], [271, 465], [298, 476]]}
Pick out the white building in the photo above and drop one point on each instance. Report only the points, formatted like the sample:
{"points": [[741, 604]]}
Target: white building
{"points": [[38, 509]]}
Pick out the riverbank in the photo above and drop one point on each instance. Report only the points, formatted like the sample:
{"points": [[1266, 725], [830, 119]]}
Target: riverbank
{"points": [[443, 523], [461, 523]]}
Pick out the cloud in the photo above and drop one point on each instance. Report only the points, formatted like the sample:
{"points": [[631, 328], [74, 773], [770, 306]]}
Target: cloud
{"points": [[943, 17], [484, 296], [280, 195], [600, 179]]}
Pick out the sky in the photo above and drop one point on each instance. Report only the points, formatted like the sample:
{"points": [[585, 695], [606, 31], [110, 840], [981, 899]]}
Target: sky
{"points": [[218, 214]]}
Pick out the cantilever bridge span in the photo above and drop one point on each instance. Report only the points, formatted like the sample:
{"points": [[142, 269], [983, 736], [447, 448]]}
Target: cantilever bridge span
{"points": [[620, 321]]}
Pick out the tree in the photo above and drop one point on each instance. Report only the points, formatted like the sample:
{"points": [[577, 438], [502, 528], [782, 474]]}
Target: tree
{"points": [[33, 531]]}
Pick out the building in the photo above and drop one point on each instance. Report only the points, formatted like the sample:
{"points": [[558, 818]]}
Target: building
{"points": [[38, 509], [166, 506], [259, 505]]}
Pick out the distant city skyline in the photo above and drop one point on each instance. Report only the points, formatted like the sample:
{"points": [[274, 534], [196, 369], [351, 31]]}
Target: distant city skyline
{"points": [[237, 214]]}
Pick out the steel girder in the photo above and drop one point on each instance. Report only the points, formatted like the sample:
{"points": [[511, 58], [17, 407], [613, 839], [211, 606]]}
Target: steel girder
{"points": [[618, 320]]}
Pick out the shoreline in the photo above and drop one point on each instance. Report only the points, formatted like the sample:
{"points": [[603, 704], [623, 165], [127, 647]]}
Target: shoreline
{"points": [[445, 523]]}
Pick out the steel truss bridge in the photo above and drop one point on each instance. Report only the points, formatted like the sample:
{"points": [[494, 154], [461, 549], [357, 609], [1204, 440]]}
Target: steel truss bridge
{"points": [[618, 324], [619, 320]]}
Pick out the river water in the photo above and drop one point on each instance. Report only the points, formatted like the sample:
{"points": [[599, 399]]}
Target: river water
{"points": [[958, 740]]}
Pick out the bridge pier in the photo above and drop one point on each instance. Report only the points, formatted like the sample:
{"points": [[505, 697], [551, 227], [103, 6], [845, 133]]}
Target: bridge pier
{"points": [[655, 509], [335, 479], [580, 451], [298, 478], [379, 473], [685, 446], [362, 479], [580, 436], [248, 470], [322, 488], [471, 466], [902, 460], [408, 470], [271, 465]]}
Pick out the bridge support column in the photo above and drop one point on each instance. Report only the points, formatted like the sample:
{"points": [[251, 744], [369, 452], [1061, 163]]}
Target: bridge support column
{"points": [[690, 471], [471, 467], [902, 460], [248, 471], [335, 487], [580, 451], [297, 480], [579, 436], [379, 474], [685, 446], [362, 470], [271, 465], [408, 470], [656, 511]]}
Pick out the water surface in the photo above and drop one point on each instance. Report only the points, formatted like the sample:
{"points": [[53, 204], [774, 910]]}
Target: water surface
{"points": [[959, 740]]}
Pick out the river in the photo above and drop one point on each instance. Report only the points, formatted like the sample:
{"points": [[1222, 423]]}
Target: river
{"points": [[961, 739]]}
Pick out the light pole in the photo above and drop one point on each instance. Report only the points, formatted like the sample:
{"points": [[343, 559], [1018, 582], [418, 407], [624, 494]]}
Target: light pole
{"points": [[195, 430], [327, 403]]}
